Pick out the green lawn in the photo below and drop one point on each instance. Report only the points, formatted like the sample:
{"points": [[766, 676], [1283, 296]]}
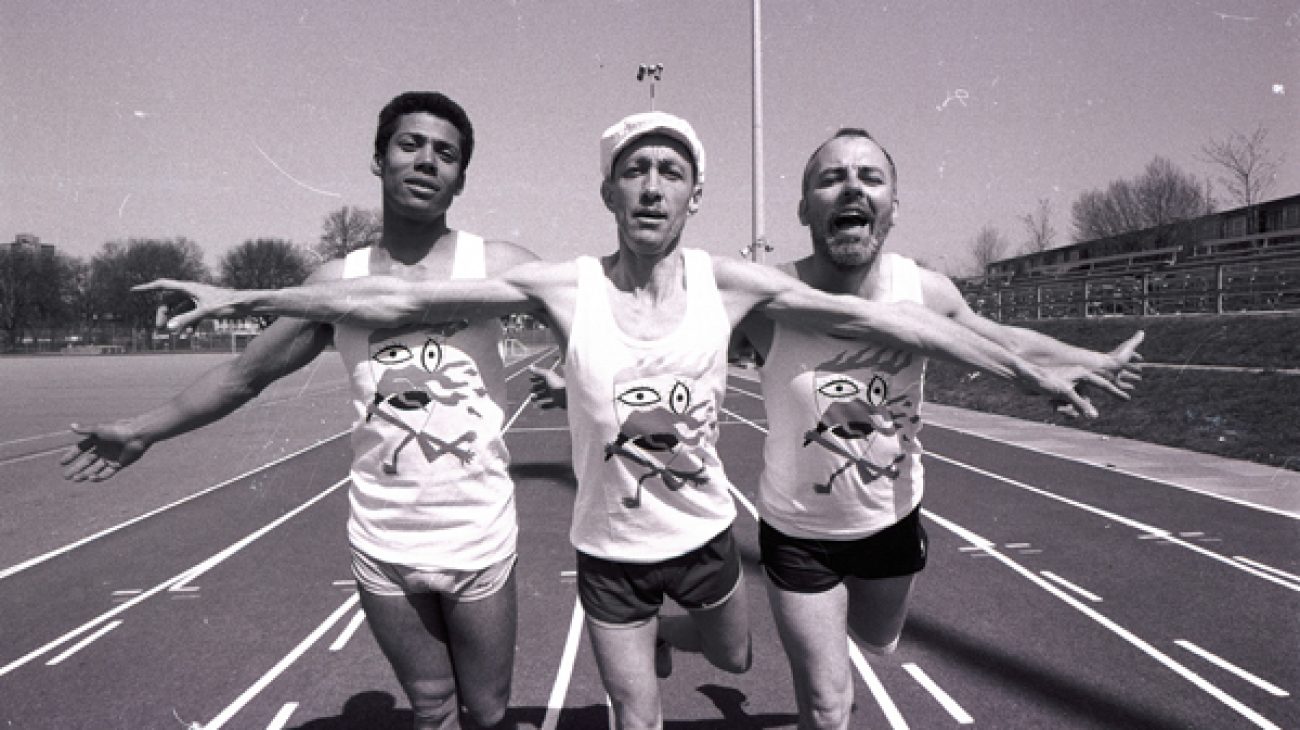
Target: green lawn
{"points": [[1241, 415]]}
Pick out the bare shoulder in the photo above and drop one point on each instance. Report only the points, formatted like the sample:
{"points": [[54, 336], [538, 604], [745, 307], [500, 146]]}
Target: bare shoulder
{"points": [[940, 293], [331, 270], [537, 274], [505, 255], [747, 277]]}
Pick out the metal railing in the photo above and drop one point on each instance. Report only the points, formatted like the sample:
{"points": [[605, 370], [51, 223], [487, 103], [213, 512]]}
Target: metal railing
{"points": [[1263, 285]]}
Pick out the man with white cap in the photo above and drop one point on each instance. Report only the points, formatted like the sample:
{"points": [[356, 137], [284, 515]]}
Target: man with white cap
{"points": [[645, 331]]}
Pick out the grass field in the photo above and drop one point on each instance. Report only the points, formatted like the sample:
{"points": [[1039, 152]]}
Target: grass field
{"points": [[1241, 415]]}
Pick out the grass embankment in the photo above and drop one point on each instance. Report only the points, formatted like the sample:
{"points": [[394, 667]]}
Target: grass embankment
{"points": [[1239, 415]]}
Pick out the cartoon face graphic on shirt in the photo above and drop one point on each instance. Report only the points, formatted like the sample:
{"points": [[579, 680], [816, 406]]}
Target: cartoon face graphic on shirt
{"points": [[665, 422], [418, 370], [859, 420]]}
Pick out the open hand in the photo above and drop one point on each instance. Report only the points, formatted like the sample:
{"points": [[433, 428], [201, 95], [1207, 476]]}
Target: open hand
{"points": [[209, 301], [548, 388], [103, 451]]}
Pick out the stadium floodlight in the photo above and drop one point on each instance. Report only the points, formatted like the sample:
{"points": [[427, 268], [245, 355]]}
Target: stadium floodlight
{"points": [[651, 72]]}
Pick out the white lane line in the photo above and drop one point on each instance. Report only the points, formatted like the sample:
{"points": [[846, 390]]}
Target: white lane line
{"points": [[234, 707], [886, 703], [1146, 648], [565, 671], [943, 698], [346, 634], [742, 391], [33, 455], [37, 437], [525, 402], [1151, 531], [83, 643], [182, 576], [1268, 568], [1222, 663], [281, 718], [1067, 584], [744, 501], [1115, 470], [108, 531]]}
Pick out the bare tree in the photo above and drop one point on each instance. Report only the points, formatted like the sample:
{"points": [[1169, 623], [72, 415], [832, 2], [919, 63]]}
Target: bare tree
{"points": [[1161, 195], [987, 247], [119, 266], [1038, 227], [348, 229], [1249, 168], [264, 263]]}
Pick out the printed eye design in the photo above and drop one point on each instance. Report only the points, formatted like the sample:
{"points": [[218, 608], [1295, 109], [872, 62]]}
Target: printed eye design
{"points": [[392, 355], [877, 391], [839, 388], [679, 398], [431, 356], [639, 397]]}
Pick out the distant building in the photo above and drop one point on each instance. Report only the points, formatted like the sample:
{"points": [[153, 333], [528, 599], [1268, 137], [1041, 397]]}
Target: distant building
{"points": [[1268, 228], [28, 242]]}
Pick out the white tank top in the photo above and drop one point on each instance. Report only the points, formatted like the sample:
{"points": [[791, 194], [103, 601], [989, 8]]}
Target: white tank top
{"points": [[430, 486], [842, 460], [643, 416]]}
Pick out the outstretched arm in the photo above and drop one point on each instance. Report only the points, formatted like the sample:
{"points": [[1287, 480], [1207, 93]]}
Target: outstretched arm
{"points": [[371, 301], [1121, 366], [106, 448], [904, 325]]}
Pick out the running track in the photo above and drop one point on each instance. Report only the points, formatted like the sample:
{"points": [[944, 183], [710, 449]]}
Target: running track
{"points": [[1058, 595]]}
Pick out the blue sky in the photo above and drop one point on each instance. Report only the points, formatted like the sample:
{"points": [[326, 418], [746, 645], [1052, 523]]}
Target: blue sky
{"points": [[228, 121]]}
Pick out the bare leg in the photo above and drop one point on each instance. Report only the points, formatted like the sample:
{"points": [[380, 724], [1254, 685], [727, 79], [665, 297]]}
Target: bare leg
{"points": [[813, 631], [482, 635], [625, 656], [878, 609], [720, 633], [413, 635]]}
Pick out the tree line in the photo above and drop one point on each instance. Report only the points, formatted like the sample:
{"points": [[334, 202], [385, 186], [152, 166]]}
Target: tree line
{"points": [[1162, 194], [45, 293]]}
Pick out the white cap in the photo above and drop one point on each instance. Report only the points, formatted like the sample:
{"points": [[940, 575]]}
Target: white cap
{"points": [[629, 128]]}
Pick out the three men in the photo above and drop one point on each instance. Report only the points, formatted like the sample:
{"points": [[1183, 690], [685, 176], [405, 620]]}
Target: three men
{"points": [[645, 331]]}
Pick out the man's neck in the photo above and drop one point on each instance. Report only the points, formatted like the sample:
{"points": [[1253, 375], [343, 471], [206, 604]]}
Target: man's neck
{"points": [[409, 241], [821, 273], [654, 276]]}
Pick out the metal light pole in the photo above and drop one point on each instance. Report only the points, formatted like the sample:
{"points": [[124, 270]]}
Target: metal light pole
{"points": [[757, 63], [759, 245], [652, 72]]}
